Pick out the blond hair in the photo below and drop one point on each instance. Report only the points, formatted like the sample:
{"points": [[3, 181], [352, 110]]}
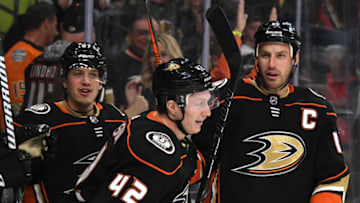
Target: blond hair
{"points": [[172, 48]]}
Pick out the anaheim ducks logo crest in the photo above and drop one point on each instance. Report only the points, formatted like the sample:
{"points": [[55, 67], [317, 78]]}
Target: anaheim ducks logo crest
{"points": [[39, 108], [282, 152], [172, 66]]}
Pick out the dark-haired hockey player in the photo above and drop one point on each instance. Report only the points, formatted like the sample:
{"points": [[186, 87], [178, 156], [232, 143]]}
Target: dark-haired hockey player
{"points": [[152, 159], [281, 143], [82, 124]]}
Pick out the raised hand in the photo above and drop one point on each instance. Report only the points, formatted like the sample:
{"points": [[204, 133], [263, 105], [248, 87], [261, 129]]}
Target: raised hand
{"points": [[241, 17]]}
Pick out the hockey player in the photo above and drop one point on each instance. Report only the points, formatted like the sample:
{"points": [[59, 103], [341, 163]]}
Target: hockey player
{"points": [[281, 143], [43, 74], [82, 124], [40, 28], [152, 159]]}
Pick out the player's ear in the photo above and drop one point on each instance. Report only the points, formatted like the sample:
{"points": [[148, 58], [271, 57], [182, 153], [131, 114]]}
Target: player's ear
{"points": [[296, 58], [172, 109], [64, 83]]}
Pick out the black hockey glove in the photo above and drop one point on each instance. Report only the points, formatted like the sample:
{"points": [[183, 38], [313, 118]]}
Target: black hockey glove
{"points": [[30, 137], [25, 160], [29, 131], [49, 146], [15, 168]]}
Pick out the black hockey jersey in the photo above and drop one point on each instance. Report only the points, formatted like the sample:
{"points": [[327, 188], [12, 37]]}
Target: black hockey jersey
{"points": [[145, 163], [277, 149], [79, 139]]}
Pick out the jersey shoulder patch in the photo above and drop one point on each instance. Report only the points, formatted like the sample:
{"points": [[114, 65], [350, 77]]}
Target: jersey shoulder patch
{"points": [[40, 109], [18, 55], [161, 141], [156, 148]]}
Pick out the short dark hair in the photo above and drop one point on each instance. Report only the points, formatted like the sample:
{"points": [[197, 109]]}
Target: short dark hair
{"points": [[36, 14]]}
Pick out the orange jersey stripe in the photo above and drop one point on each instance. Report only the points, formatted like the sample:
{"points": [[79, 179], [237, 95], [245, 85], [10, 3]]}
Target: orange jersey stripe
{"points": [[331, 114], [147, 163], [306, 104], [114, 121], [247, 98], [44, 191], [336, 176], [68, 124]]}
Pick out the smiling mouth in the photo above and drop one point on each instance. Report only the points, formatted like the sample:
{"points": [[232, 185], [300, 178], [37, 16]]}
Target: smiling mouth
{"points": [[85, 91]]}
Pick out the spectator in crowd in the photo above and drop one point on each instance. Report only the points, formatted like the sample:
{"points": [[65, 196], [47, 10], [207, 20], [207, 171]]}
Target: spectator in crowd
{"points": [[329, 22], [341, 85], [80, 122], [220, 68], [254, 21], [40, 25], [139, 91], [129, 62], [190, 22], [248, 42], [338, 79], [42, 87], [165, 11]]}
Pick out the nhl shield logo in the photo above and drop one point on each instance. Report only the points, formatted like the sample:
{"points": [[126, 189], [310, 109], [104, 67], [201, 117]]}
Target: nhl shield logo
{"points": [[273, 100]]}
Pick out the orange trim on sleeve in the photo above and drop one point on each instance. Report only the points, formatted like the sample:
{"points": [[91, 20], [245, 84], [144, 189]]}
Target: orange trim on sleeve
{"points": [[147, 163], [17, 124], [200, 162], [336, 176], [326, 197]]}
